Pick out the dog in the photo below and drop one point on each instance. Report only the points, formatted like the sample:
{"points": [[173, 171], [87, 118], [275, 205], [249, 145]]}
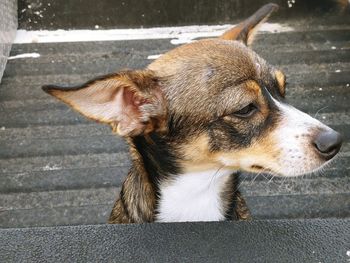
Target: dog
{"points": [[193, 119]]}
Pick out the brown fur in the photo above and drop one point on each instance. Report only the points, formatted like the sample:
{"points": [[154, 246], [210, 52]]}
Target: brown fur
{"points": [[281, 80], [246, 30]]}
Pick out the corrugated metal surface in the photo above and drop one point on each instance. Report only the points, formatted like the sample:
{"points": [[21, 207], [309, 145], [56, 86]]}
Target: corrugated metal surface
{"points": [[8, 26], [287, 241], [57, 168]]}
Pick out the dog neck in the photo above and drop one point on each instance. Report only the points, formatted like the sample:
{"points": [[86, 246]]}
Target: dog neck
{"points": [[157, 189], [198, 196]]}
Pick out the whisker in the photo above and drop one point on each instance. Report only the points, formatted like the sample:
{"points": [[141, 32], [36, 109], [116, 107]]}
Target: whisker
{"points": [[214, 175], [319, 111], [272, 176], [241, 181], [256, 176], [263, 175], [283, 181]]}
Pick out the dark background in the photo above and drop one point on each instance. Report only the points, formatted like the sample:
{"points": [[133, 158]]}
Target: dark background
{"points": [[83, 14]]}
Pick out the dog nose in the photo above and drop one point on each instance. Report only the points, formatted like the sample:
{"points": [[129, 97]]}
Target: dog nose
{"points": [[328, 143]]}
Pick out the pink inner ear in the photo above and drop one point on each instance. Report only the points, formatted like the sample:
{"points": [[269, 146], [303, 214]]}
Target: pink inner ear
{"points": [[130, 98], [131, 102], [101, 101], [130, 115], [115, 102]]}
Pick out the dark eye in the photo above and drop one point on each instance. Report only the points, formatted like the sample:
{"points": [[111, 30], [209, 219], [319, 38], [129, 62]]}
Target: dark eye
{"points": [[247, 111]]}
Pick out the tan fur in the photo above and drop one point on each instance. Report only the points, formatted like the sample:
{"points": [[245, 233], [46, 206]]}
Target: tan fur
{"points": [[242, 210], [190, 76], [247, 30], [139, 194], [197, 156], [264, 151], [281, 80]]}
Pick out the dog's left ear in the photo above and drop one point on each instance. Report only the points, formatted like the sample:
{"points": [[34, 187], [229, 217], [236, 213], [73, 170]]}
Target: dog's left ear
{"points": [[246, 30], [130, 101]]}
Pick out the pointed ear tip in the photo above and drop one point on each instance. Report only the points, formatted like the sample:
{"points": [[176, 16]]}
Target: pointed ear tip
{"points": [[51, 89], [273, 6], [47, 88]]}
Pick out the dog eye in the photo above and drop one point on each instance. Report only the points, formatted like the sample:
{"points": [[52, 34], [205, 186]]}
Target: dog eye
{"points": [[247, 111]]}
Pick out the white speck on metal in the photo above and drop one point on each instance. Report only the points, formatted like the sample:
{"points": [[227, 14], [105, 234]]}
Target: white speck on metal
{"points": [[25, 55], [153, 56], [49, 167], [290, 3]]}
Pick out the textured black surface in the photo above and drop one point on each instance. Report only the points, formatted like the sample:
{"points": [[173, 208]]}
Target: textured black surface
{"points": [[325, 241], [58, 168]]}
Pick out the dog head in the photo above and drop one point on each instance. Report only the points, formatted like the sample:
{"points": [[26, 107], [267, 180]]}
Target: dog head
{"points": [[216, 102]]}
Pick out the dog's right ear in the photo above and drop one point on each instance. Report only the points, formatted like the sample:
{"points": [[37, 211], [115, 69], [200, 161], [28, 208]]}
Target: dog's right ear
{"points": [[130, 101], [246, 30]]}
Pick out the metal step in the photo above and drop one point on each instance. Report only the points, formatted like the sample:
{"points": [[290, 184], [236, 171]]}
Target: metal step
{"points": [[257, 241]]}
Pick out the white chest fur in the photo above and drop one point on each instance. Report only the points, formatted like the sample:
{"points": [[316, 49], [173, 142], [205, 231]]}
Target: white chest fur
{"points": [[193, 197]]}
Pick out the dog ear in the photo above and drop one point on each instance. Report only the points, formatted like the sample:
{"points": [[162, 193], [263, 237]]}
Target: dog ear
{"points": [[246, 30], [130, 101]]}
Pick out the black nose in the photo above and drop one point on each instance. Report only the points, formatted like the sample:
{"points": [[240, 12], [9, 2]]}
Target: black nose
{"points": [[328, 143]]}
